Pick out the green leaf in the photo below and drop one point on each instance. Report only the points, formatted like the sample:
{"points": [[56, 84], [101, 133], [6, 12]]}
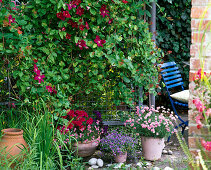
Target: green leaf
{"points": [[92, 11]]}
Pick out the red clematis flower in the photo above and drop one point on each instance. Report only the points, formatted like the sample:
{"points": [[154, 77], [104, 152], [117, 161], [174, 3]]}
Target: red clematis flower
{"points": [[103, 11], [49, 88], [35, 60], [11, 20], [103, 7], [36, 69], [75, 25], [71, 5], [80, 11], [81, 27], [110, 21], [66, 14], [99, 42], [76, 2], [125, 2], [54, 90], [80, 20], [60, 16], [89, 121], [68, 36], [81, 44], [87, 25], [39, 77]]}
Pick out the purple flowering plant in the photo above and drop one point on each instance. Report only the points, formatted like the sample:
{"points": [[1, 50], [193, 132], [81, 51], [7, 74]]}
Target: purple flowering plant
{"points": [[117, 143]]}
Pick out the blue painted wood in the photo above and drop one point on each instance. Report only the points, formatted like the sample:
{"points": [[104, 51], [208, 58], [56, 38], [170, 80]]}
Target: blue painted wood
{"points": [[171, 73], [174, 81], [174, 85], [172, 78], [168, 64], [169, 69]]}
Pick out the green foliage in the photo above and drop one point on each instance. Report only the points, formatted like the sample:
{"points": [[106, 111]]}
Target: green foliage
{"points": [[174, 32], [39, 133], [128, 55]]}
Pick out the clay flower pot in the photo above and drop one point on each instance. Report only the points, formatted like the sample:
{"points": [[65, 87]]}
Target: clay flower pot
{"points": [[12, 142], [152, 148], [120, 158], [85, 149]]}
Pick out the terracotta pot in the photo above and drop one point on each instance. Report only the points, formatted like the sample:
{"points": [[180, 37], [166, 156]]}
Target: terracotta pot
{"points": [[152, 148], [12, 141], [120, 158], [85, 149]]}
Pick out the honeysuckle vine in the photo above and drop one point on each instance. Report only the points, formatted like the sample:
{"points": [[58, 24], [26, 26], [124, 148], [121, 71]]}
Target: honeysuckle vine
{"points": [[83, 48]]}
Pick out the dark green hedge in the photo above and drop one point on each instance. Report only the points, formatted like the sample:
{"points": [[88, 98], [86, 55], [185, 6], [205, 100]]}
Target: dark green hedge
{"points": [[174, 32]]}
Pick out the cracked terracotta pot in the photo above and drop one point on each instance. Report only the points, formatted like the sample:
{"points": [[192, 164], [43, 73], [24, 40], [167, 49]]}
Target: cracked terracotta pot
{"points": [[12, 143]]}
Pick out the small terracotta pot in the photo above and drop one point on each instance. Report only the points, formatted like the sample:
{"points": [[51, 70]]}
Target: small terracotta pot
{"points": [[85, 149], [120, 158], [152, 148], [13, 142]]}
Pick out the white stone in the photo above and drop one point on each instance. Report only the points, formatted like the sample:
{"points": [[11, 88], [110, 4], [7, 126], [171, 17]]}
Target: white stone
{"points": [[168, 168], [139, 164], [108, 165], [170, 152], [95, 166], [118, 165], [164, 151], [100, 162], [148, 163], [128, 165], [155, 168], [92, 161]]}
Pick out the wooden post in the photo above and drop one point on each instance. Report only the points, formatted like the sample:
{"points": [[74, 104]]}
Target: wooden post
{"points": [[152, 30]]}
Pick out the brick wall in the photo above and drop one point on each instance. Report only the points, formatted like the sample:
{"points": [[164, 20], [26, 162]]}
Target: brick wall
{"points": [[198, 8]]}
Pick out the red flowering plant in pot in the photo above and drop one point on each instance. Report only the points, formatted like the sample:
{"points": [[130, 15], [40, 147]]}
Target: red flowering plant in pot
{"points": [[84, 129]]}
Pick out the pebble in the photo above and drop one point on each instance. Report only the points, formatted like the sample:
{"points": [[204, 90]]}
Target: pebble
{"points": [[108, 165], [100, 162], [95, 166], [168, 168], [118, 165], [148, 163], [139, 164], [92, 161], [155, 168], [164, 151], [170, 152]]}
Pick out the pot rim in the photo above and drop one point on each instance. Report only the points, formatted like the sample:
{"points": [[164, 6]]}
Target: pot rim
{"points": [[12, 131]]}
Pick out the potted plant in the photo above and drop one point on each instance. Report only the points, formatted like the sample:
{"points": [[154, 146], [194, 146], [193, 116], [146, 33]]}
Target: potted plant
{"points": [[118, 144], [153, 127], [84, 129]]}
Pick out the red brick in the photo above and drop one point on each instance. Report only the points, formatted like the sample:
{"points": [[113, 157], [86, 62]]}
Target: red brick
{"points": [[194, 130], [191, 75], [195, 153], [194, 50], [195, 23], [200, 2], [195, 64], [197, 12], [193, 142], [198, 37]]}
